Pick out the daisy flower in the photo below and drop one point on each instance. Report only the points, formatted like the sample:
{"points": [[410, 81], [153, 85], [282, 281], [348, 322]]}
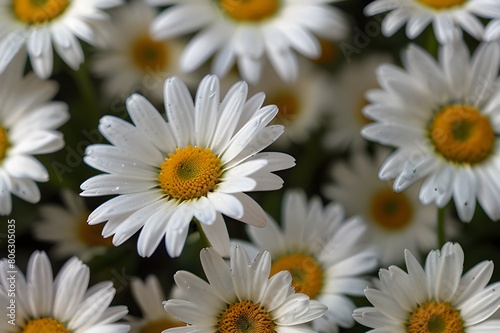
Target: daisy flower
{"points": [[36, 25], [28, 120], [67, 227], [434, 298], [323, 254], [443, 117], [249, 32], [132, 60], [62, 305], [447, 16], [240, 297], [149, 295], [346, 119], [395, 221], [196, 165]]}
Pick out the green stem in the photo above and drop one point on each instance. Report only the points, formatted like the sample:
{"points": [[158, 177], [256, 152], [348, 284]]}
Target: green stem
{"points": [[203, 237], [440, 226]]}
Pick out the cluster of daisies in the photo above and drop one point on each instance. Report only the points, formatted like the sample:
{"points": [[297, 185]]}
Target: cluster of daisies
{"points": [[170, 122]]}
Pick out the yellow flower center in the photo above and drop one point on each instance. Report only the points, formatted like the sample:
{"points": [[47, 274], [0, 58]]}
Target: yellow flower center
{"points": [[288, 107], [39, 11], [149, 55], [91, 235], [329, 52], [461, 134], [250, 10], [45, 325], [245, 317], [190, 173], [4, 143], [433, 317], [307, 274], [160, 325], [391, 210], [442, 4]]}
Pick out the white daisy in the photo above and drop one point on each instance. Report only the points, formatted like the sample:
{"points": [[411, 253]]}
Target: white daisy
{"points": [[248, 32], [323, 254], [133, 61], [62, 305], [346, 118], [149, 295], [447, 16], [67, 227], [240, 297], [196, 165], [433, 299], [35, 25], [28, 120], [395, 221], [443, 117]]}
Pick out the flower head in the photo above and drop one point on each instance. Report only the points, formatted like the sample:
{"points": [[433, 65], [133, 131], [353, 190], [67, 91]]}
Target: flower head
{"points": [[324, 254], [433, 299], [240, 297], [63, 304], [447, 16], [28, 120], [249, 32], [196, 165], [442, 117], [37, 26]]}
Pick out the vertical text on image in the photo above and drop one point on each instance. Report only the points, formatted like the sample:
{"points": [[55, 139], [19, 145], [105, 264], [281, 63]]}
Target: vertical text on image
{"points": [[11, 272]]}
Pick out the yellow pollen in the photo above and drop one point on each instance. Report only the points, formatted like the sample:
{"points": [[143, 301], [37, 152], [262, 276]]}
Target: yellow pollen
{"points": [[45, 325], [288, 107], [160, 325], [245, 317], [307, 274], [190, 173], [329, 52], [433, 317], [149, 55], [391, 210], [91, 235], [39, 11], [442, 4], [250, 10], [4, 143], [461, 134]]}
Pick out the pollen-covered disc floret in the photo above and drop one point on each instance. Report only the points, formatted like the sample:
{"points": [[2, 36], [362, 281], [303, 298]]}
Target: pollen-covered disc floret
{"points": [[442, 118], [448, 17], [434, 299], [314, 245], [249, 33], [38, 11], [435, 317], [250, 10], [198, 164], [462, 134], [240, 297], [41, 27], [59, 304], [190, 173]]}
